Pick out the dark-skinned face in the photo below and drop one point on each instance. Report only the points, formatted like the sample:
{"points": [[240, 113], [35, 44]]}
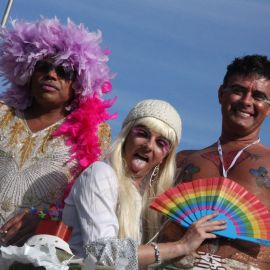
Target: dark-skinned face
{"points": [[51, 85]]}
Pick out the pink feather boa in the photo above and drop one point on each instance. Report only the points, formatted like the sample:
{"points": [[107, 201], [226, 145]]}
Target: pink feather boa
{"points": [[81, 132]]}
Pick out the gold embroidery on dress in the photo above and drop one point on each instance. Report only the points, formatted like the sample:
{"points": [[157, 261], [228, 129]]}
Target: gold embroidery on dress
{"points": [[28, 145], [104, 135], [7, 205], [43, 147], [6, 118], [71, 174], [15, 132], [23, 149]]}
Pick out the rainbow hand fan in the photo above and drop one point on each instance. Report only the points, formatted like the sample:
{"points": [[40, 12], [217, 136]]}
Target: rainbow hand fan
{"points": [[247, 218]]}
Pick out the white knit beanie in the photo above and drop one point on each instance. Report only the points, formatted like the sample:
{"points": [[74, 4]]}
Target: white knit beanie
{"points": [[158, 109]]}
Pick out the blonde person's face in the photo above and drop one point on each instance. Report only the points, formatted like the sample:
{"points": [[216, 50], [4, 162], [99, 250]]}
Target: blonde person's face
{"points": [[143, 150]]}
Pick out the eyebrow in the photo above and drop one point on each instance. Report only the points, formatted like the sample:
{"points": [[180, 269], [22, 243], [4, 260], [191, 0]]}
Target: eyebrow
{"points": [[245, 88], [149, 130], [142, 126]]}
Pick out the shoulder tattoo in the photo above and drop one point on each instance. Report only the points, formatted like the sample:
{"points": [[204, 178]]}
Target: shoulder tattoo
{"points": [[262, 177]]}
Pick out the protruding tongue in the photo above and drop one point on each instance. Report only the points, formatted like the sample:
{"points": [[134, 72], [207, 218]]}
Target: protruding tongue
{"points": [[138, 164]]}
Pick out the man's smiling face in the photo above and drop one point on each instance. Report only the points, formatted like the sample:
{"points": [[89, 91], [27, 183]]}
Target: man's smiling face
{"points": [[244, 103]]}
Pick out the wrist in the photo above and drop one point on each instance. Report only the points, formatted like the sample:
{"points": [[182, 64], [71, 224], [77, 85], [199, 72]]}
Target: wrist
{"points": [[156, 253], [182, 249]]}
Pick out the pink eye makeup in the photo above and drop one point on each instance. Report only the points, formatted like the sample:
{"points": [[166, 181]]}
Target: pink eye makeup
{"points": [[164, 144], [140, 132], [144, 132]]}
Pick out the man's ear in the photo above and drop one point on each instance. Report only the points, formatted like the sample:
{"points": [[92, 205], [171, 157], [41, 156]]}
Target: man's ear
{"points": [[220, 93]]}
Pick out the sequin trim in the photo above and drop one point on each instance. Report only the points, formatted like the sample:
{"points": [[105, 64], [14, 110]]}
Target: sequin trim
{"points": [[110, 251]]}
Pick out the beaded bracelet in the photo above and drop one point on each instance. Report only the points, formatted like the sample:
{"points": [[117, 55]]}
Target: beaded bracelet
{"points": [[52, 213], [157, 252]]}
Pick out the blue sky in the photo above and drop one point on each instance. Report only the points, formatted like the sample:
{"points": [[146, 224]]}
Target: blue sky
{"points": [[174, 50]]}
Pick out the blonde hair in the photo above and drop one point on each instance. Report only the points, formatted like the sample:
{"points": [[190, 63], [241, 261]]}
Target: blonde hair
{"points": [[132, 207]]}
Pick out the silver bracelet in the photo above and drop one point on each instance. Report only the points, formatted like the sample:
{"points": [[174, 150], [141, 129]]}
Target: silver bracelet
{"points": [[157, 253]]}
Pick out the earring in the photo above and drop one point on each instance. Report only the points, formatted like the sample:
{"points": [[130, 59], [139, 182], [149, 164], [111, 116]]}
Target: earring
{"points": [[68, 108], [153, 177]]}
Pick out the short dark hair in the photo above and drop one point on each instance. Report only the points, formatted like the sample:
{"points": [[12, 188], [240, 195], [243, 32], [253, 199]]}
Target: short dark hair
{"points": [[249, 64]]}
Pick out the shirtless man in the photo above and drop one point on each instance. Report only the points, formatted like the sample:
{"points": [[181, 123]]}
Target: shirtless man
{"points": [[244, 97]]}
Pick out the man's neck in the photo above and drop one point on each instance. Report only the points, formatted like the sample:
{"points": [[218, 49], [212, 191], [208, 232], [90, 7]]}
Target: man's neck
{"points": [[38, 119], [228, 139]]}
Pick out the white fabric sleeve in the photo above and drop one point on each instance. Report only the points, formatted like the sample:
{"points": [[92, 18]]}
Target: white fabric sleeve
{"points": [[95, 195]]}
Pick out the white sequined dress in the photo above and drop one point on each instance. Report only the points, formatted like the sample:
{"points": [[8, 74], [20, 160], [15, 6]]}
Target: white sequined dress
{"points": [[34, 167]]}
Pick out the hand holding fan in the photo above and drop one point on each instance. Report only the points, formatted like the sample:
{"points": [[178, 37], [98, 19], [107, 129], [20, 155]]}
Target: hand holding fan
{"points": [[247, 218]]}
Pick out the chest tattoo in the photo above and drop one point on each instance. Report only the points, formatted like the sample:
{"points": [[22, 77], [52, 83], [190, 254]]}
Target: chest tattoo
{"points": [[262, 177], [228, 157]]}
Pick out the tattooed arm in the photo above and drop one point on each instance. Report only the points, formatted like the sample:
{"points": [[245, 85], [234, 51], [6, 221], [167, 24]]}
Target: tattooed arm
{"points": [[185, 169]]}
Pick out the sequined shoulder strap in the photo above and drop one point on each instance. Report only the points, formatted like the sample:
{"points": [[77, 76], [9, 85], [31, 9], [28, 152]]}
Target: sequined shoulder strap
{"points": [[104, 136]]}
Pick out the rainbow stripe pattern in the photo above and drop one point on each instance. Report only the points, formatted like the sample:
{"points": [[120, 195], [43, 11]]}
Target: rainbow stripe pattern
{"points": [[247, 218]]}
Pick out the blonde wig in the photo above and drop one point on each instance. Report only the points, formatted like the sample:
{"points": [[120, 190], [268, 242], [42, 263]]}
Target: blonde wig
{"points": [[132, 207]]}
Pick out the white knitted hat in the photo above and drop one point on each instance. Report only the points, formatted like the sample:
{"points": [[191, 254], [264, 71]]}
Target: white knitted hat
{"points": [[158, 109]]}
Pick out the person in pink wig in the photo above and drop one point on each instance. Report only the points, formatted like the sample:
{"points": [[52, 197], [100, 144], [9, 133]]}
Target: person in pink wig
{"points": [[52, 116]]}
